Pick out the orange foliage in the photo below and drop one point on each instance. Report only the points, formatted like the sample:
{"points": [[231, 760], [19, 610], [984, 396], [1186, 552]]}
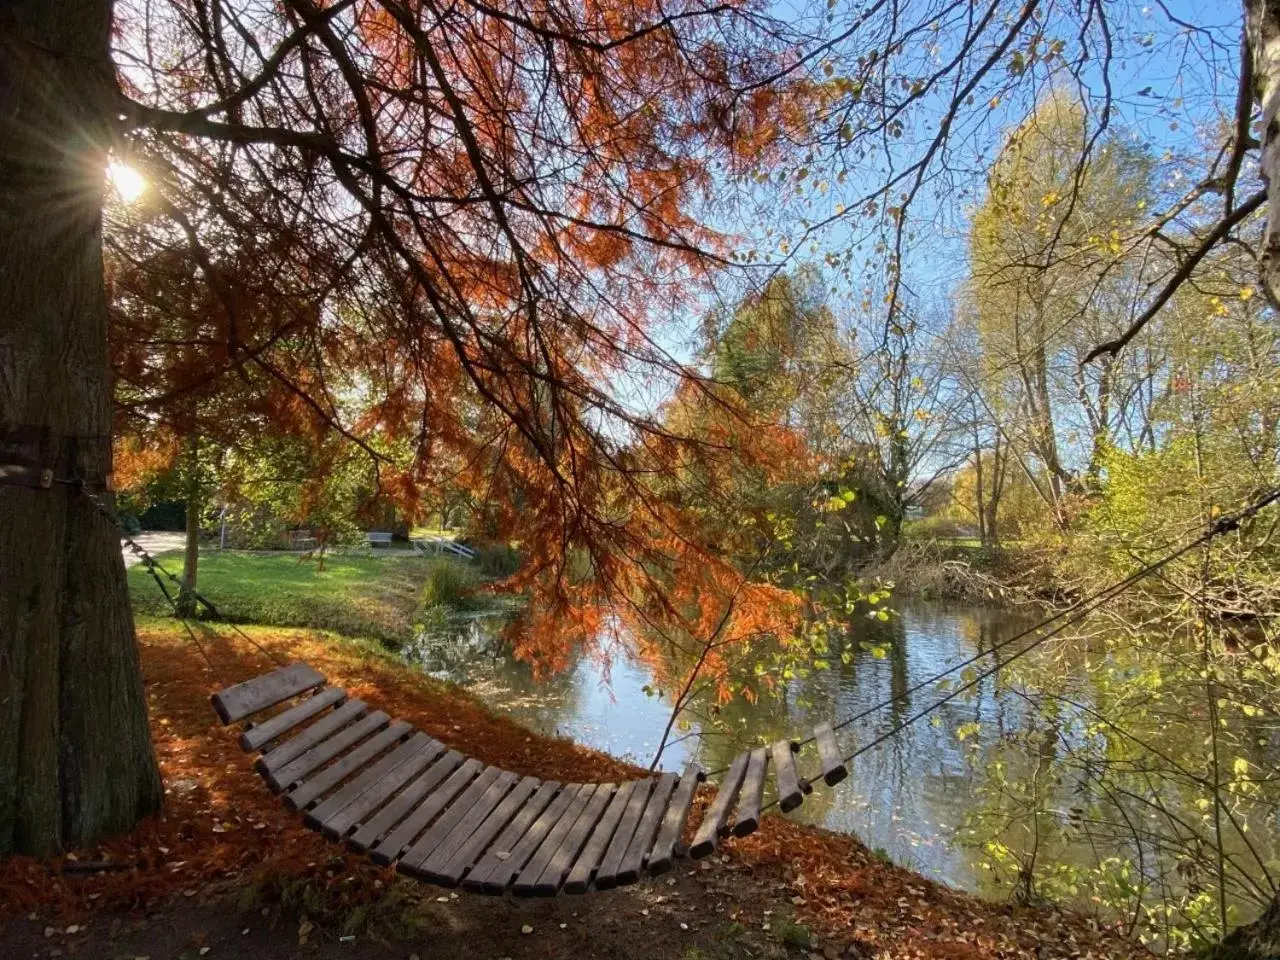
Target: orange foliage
{"points": [[134, 463], [464, 270]]}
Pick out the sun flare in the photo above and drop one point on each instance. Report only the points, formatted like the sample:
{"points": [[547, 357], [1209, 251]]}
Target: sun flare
{"points": [[127, 182]]}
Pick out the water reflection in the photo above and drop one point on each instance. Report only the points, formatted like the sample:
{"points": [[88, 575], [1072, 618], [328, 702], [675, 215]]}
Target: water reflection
{"points": [[923, 791]]}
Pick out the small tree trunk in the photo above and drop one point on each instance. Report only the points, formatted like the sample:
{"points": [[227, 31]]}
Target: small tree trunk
{"points": [[191, 556], [977, 470], [190, 562], [76, 761], [999, 470]]}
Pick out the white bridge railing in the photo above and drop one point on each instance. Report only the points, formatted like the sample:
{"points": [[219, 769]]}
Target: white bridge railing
{"points": [[439, 545]]}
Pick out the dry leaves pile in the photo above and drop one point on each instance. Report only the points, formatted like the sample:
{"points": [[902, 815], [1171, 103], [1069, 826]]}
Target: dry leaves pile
{"points": [[221, 825]]}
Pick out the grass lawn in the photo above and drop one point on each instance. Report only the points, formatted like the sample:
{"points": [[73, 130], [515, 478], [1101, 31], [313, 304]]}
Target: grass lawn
{"points": [[376, 597]]}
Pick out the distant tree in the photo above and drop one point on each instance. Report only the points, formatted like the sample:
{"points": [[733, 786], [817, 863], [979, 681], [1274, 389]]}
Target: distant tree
{"points": [[898, 418], [1046, 260]]}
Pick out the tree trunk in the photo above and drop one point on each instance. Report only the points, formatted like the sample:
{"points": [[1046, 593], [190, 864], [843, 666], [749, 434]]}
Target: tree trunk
{"points": [[76, 761], [999, 471], [1262, 34], [190, 561], [191, 556], [977, 478], [1259, 940]]}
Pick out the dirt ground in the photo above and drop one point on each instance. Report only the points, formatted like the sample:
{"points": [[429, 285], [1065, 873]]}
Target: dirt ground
{"points": [[695, 914]]}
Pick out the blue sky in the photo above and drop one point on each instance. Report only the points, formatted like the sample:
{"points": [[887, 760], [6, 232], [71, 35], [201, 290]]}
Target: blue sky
{"points": [[1173, 80], [1171, 87]]}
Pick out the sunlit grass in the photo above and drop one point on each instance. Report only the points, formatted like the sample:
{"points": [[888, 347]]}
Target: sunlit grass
{"points": [[357, 596]]}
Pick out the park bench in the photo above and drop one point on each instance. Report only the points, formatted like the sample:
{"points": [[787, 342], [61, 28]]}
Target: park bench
{"points": [[379, 538]]}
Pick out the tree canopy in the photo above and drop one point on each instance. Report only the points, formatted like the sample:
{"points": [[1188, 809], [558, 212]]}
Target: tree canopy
{"points": [[469, 242]]}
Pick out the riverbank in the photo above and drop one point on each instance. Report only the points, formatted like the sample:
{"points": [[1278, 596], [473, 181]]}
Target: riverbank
{"points": [[227, 857], [965, 572]]}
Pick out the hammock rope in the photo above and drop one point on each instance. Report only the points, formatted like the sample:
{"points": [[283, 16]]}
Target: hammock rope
{"points": [[359, 776], [1069, 615]]}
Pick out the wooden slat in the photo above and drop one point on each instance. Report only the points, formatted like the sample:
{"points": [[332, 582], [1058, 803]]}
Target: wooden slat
{"points": [[499, 874], [584, 867], [325, 750], [790, 795], [747, 818], [662, 857], [498, 854], [527, 879], [326, 726], [607, 875], [408, 829], [255, 738], [713, 821], [491, 778], [380, 823], [337, 814], [322, 781], [253, 696], [449, 863], [642, 840], [553, 875], [833, 768]]}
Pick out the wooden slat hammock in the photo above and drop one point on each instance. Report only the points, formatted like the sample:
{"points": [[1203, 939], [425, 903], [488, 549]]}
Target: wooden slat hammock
{"points": [[385, 789]]}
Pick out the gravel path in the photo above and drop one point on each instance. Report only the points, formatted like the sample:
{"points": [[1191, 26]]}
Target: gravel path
{"points": [[154, 542]]}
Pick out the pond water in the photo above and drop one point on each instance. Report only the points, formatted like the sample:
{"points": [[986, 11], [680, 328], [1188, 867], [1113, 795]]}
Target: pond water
{"points": [[930, 796]]}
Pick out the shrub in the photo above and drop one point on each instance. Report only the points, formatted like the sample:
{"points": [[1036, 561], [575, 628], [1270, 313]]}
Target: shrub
{"points": [[936, 528], [497, 560], [795, 936], [448, 583]]}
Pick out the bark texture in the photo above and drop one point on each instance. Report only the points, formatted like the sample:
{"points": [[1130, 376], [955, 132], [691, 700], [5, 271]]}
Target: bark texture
{"points": [[1262, 33], [1259, 940], [76, 760], [191, 556]]}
